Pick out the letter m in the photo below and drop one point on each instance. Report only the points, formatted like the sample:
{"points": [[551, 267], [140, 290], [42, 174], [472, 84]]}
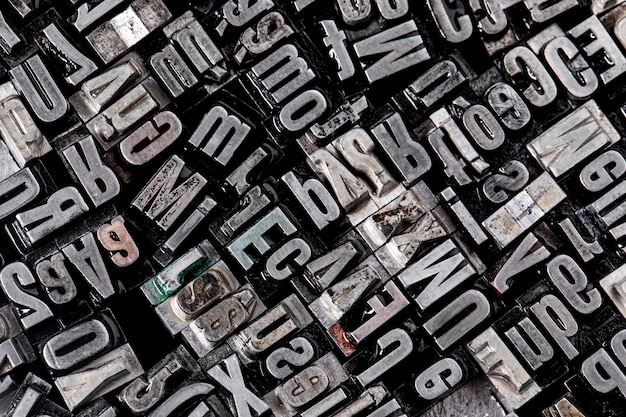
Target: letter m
{"points": [[163, 203], [401, 45], [446, 268]]}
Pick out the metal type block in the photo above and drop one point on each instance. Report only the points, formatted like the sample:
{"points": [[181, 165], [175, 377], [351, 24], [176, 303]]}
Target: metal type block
{"points": [[524, 210], [127, 28], [331, 208]]}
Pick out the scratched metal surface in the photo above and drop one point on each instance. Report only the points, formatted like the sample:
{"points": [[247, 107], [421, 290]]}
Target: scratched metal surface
{"points": [[312, 208]]}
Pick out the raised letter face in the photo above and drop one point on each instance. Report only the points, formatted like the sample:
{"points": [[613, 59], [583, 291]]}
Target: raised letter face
{"points": [[312, 208]]}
